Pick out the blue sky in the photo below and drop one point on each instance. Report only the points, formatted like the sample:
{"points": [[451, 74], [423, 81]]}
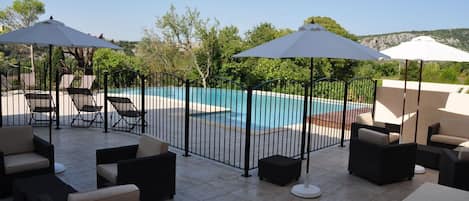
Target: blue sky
{"points": [[126, 19]]}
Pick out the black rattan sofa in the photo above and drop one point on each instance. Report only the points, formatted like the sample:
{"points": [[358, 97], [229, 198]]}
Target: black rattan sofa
{"points": [[453, 172], [155, 175], [381, 164], [19, 157]]}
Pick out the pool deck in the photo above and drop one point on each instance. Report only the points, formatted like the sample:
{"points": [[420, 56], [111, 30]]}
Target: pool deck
{"points": [[21, 106]]}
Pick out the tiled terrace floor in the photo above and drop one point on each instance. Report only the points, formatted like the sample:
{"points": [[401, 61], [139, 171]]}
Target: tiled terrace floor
{"points": [[202, 179]]}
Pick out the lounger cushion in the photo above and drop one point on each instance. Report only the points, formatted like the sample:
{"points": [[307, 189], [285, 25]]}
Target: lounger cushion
{"points": [[372, 136], [150, 146], [463, 154], [128, 192], [123, 106], [394, 137], [24, 162], [365, 118], [16, 140], [108, 171], [448, 139]]}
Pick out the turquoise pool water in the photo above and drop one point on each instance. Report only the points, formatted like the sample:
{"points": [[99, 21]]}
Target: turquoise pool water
{"points": [[269, 111]]}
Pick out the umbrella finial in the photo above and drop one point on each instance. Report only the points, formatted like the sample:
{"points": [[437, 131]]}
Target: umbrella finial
{"points": [[51, 18]]}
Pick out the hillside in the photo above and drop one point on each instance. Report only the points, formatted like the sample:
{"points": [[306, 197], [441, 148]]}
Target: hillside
{"points": [[458, 38]]}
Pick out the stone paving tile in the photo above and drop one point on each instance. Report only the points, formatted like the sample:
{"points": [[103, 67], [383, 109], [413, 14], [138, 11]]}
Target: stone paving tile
{"points": [[202, 179]]}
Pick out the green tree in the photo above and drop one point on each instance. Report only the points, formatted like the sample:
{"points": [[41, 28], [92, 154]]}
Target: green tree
{"points": [[331, 25], [160, 56], [113, 61], [334, 68], [22, 13], [194, 36]]}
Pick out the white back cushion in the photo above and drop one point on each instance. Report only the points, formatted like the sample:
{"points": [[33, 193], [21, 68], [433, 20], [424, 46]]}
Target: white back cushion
{"points": [[16, 140], [365, 118], [150, 146], [372, 136]]}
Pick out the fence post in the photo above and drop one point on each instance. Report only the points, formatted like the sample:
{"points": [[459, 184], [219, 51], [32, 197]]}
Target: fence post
{"points": [[344, 114], [57, 104], [142, 77], [105, 102], [305, 121], [44, 76], [19, 75], [186, 118], [1, 102], [247, 145], [375, 82]]}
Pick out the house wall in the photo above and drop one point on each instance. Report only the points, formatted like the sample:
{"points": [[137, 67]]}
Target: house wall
{"points": [[450, 109]]}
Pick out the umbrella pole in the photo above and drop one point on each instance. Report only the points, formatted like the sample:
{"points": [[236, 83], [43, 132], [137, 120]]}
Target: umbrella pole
{"points": [[50, 93], [418, 101], [307, 190], [58, 167], [404, 95]]}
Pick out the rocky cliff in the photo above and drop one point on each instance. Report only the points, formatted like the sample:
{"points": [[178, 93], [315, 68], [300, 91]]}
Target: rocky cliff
{"points": [[458, 38]]}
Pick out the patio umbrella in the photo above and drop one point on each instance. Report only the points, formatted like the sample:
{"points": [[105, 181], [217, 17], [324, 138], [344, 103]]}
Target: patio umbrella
{"points": [[53, 33], [312, 41], [423, 48]]}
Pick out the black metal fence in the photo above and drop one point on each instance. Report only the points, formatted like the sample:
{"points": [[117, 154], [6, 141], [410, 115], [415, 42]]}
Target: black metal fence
{"points": [[224, 121]]}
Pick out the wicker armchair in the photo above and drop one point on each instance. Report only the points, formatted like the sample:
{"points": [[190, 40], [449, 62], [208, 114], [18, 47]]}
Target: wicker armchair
{"points": [[381, 163], [22, 155], [453, 171], [154, 175]]}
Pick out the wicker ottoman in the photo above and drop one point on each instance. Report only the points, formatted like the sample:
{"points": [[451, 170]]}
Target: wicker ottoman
{"points": [[428, 156], [279, 170]]}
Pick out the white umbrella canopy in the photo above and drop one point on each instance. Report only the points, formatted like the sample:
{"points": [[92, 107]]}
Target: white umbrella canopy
{"points": [[313, 41], [427, 49], [55, 33]]}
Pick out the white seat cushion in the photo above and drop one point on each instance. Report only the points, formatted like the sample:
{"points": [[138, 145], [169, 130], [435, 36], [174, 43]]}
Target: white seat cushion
{"points": [[108, 171], [24, 162], [128, 192], [150, 146], [365, 118], [372, 136], [448, 139], [16, 140], [394, 137]]}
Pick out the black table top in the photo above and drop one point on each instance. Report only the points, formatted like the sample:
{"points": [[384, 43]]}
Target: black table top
{"points": [[29, 189], [280, 160]]}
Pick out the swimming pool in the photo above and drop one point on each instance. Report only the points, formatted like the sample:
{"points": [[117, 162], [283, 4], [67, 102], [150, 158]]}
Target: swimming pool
{"points": [[268, 110]]}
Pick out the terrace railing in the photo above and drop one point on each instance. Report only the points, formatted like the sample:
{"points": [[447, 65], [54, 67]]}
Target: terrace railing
{"points": [[224, 121]]}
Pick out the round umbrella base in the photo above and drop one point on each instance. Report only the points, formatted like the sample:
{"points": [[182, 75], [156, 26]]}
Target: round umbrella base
{"points": [[419, 169], [306, 191], [59, 168]]}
